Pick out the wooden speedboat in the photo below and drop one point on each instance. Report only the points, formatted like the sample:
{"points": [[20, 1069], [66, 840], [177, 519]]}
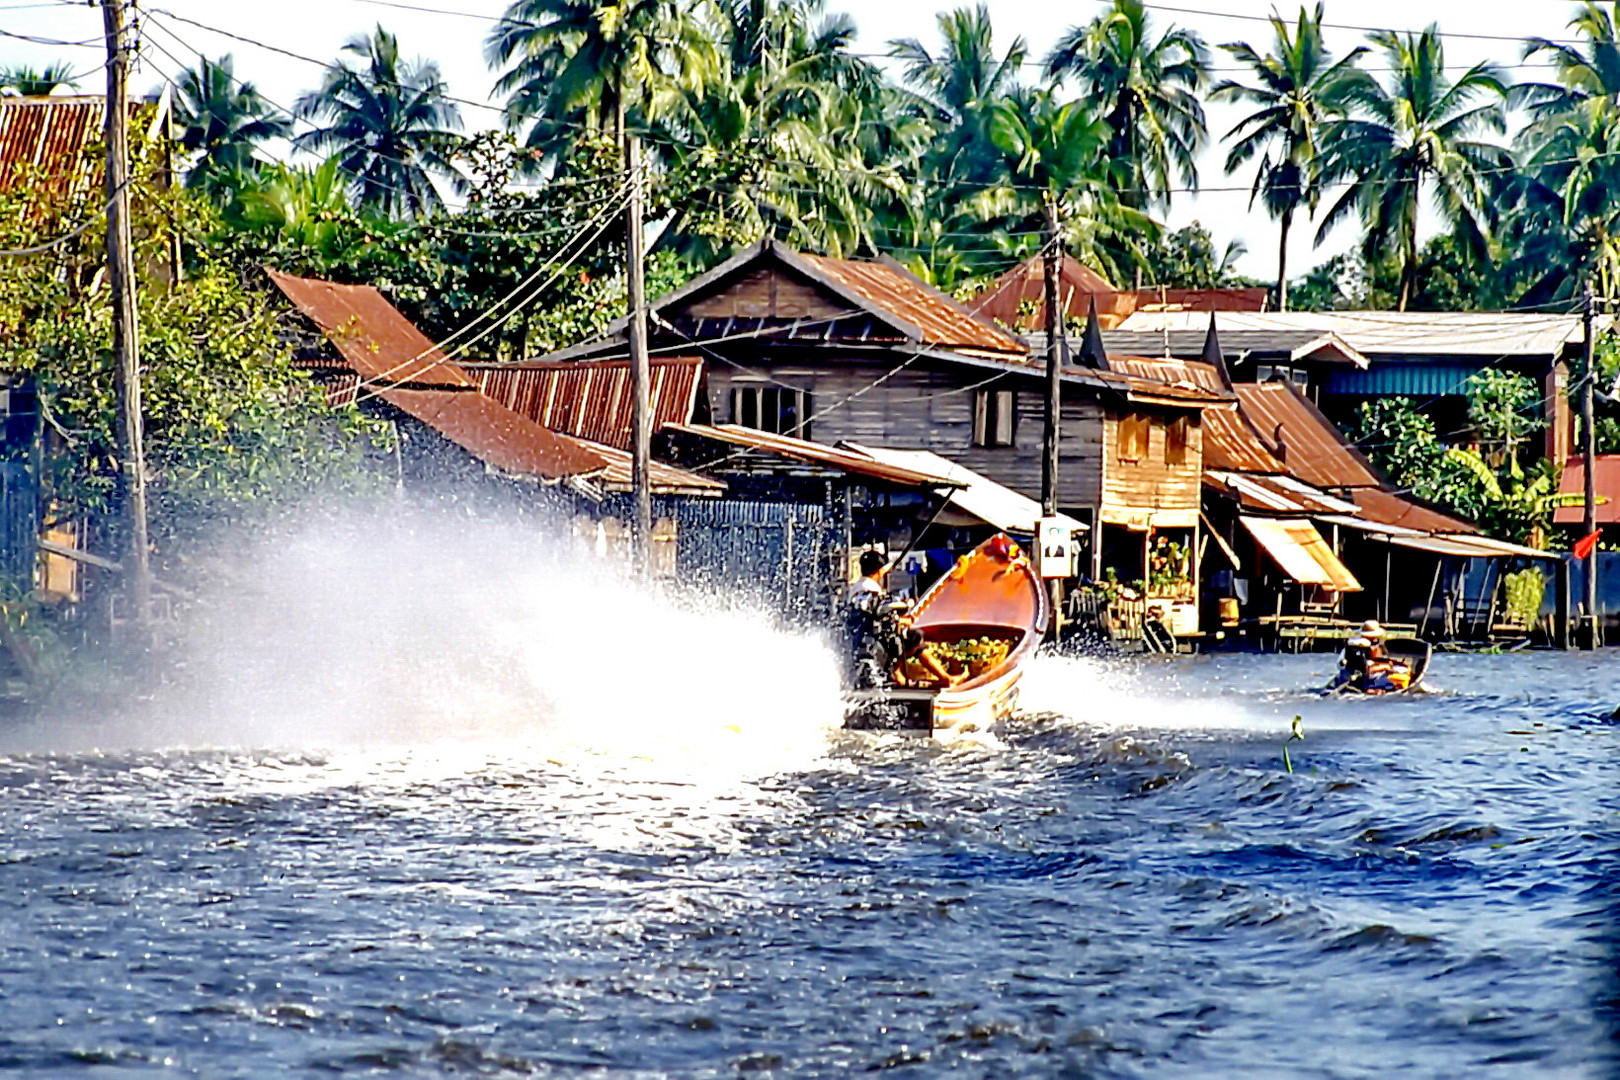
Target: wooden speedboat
{"points": [[1410, 654], [978, 623]]}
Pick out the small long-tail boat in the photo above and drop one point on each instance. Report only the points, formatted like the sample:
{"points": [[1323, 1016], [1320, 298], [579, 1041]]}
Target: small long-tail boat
{"points": [[1409, 659], [979, 624]]}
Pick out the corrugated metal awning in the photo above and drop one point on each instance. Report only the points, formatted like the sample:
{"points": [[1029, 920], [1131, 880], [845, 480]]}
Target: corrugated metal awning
{"points": [[1296, 547], [1470, 547], [980, 496]]}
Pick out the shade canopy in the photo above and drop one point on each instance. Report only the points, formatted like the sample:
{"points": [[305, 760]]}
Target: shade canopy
{"points": [[1299, 550], [979, 496]]}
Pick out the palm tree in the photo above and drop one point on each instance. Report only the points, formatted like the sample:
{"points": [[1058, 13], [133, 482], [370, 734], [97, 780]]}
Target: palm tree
{"points": [[27, 82], [1582, 73], [1414, 135], [1298, 91], [963, 87], [223, 121], [958, 92], [1057, 173], [795, 139], [1566, 193], [574, 66], [389, 124], [1148, 90]]}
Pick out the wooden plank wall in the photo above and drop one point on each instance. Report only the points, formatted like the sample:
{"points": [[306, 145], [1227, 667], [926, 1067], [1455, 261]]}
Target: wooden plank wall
{"points": [[765, 293], [1150, 483], [932, 409]]}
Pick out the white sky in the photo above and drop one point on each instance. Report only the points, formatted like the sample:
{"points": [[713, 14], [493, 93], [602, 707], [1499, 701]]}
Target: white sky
{"points": [[318, 28]]}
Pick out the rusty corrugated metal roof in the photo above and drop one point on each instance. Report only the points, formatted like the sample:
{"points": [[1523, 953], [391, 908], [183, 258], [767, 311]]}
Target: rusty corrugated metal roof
{"points": [[1311, 448], [1181, 374], [1606, 479], [942, 321], [1276, 494], [54, 140], [400, 365], [1393, 509], [1018, 297], [496, 435], [1230, 443], [663, 479], [592, 398], [50, 139], [816, 453], [380, 343]]}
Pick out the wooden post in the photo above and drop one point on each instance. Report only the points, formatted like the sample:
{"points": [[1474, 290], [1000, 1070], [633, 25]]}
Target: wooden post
{"points": [[1057, 348], [641, 418], [1054, 333], [1593, 636], [126, 335]]}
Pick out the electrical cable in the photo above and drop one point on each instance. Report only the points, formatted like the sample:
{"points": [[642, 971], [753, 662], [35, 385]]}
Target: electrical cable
{"points": [[496, 324]]}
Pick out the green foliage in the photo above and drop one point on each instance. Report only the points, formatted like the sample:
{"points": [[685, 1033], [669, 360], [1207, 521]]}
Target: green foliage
{"points": [[1186, 259], [1401, 443], [1524, 591], [232, 429], [1504, 409]]}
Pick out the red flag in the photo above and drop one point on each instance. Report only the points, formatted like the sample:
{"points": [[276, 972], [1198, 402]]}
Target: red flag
{"points": [[1583, 546]]}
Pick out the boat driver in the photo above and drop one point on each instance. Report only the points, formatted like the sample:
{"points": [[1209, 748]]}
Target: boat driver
{"points": [[1365, 665], [871, 628]]}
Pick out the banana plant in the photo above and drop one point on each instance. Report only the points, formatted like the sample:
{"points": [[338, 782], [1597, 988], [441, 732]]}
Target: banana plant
{"points": [[1517, 504]]}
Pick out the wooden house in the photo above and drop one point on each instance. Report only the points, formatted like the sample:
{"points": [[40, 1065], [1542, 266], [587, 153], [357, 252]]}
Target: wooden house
{"points": [[452, 438], [1423, 355], [838, 350]]}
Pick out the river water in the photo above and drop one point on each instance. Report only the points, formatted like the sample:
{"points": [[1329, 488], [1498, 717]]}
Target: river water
{"points": [[635, 874]]}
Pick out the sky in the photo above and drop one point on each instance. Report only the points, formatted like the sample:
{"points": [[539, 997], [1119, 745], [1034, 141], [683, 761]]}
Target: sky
{"points": [[454, 38]]}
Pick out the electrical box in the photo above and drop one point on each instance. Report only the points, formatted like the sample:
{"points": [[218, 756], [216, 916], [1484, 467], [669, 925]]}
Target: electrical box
{"points": [[1054, 548]]}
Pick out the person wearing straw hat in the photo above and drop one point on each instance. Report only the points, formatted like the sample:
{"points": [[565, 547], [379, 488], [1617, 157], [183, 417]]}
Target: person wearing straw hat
{"points": [[1366, 666]]}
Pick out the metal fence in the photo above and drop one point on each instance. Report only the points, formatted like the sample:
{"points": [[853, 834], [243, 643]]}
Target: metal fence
{"points": [[19, 525], [784, 556]]}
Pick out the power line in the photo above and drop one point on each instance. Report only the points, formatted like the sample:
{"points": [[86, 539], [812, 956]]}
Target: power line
{"points": [[334, 65], [1347, 26]]}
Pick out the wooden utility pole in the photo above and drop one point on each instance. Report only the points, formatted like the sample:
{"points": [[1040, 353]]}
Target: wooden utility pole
{"points": [[126, 336], [641, 415], [1054, 333], [1592, 638], [1057, 350]]}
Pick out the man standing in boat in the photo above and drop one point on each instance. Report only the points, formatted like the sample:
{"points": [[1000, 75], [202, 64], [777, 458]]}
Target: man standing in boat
{"points": [[874, 637], [871, 636]]}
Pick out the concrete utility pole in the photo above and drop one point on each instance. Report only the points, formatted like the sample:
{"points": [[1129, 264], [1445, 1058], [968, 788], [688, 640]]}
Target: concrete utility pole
{"points": [[126, 336], [1592, 639], [641, 417]]}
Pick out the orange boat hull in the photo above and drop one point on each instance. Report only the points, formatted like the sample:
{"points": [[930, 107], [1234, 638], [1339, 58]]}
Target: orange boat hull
{"points": [[993, 590]]}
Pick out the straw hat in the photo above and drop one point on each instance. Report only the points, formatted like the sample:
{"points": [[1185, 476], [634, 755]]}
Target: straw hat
{"points": [[1359, 643], [1372, 629]]}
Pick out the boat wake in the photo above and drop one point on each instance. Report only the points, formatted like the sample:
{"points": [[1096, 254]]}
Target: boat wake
{"points": [[435, 636]]}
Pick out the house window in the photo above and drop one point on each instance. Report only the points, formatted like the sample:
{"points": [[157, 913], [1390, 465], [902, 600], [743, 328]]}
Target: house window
{"points": [[1133, 436], [776, 409], [1175, 440], [993, 417]]}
